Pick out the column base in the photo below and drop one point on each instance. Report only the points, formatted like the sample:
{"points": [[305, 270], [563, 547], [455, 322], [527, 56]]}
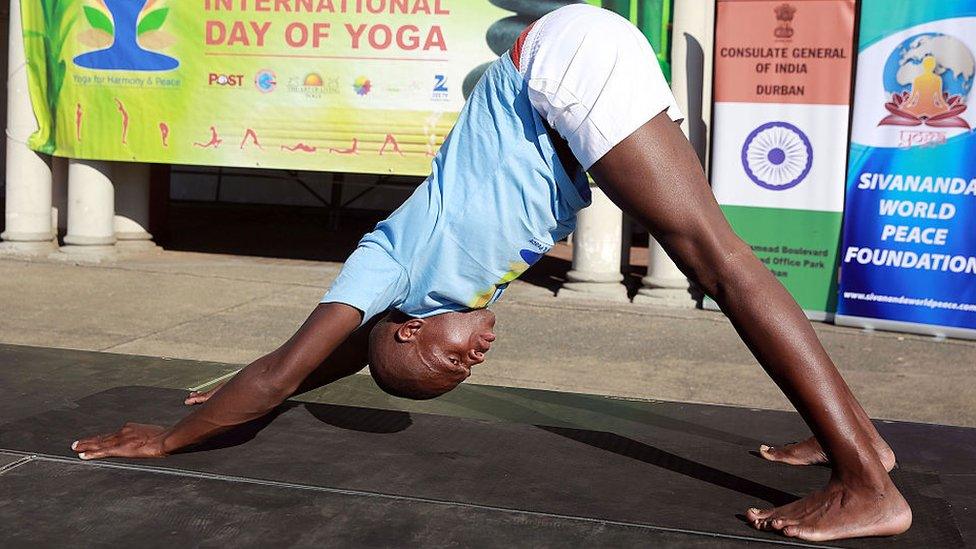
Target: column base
{"points": [[93, 253], [675, 298], [18, 248], [136, 246], [668, 283], [603, 291], [83, 241], [133, 236], [598, 277], [27, 238]]}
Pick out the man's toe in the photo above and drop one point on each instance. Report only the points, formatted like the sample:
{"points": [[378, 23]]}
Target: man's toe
{"points": [[755, 514], [782, 523], [796, 531]]}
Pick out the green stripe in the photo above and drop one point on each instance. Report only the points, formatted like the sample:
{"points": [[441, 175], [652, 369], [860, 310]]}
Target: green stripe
{"points": [[779, 238]]}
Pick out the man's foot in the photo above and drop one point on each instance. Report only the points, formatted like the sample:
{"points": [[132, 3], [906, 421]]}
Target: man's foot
{"points": [[199, 397], [809, 452], [839, 512]]}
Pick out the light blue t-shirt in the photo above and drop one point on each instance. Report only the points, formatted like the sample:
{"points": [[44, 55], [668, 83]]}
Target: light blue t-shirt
{"points": [[496, 200]]}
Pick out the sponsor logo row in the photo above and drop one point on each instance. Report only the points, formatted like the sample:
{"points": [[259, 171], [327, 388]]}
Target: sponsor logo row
{"points": [[315, 86]]}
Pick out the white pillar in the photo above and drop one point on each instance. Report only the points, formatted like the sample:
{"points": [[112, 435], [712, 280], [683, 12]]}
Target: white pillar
{"points": [[596, 252], [132, 207], [691, 70], [28, 209], [693, 39], [91, 208]]}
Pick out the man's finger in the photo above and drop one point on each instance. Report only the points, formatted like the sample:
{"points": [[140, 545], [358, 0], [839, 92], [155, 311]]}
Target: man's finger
{"points": [[94, 443], [108, 451], [87, 443], [86, 440], [118, 446]]}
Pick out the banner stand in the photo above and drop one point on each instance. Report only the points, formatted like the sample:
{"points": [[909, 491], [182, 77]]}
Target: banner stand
{"points": [[908, 258], [780, 121], [938, 332]]}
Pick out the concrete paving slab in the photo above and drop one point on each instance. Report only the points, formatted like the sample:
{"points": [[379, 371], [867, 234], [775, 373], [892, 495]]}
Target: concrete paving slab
{"points": [[697, 356], [64, 304], [237, 334], [236, 268]]}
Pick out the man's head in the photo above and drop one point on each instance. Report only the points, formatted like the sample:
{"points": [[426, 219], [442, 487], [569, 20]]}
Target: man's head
{"points": [[422, 358]]}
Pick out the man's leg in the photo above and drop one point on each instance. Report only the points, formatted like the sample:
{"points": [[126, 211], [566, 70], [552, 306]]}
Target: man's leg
{"points": [[656, 177]]}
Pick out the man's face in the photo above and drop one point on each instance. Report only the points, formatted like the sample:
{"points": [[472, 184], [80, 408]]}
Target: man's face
{"points": [[452, 343]]}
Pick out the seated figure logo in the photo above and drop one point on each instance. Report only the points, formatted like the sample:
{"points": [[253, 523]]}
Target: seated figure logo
{"points": [[125, 29], [929, 77]]}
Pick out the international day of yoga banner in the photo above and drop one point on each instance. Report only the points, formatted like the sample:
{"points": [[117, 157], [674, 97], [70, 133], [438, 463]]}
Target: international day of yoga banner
{"points": [[338, 85], [779, 145], [909, 248]]}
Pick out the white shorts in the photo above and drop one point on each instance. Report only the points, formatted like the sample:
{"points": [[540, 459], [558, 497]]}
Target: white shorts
{"points": [[593, 77]]}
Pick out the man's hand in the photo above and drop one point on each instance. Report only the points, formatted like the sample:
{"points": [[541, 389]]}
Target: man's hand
{"points": [[253, 392], [132, 440]]}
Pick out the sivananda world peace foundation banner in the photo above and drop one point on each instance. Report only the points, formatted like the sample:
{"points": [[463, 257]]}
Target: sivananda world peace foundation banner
{"points": [[341, 85], [908, 259], [779, 136]]}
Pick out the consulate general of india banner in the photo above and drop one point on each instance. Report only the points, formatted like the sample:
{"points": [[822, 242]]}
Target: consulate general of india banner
{"points": [[782, 96], [341, 85], [908, 259]]}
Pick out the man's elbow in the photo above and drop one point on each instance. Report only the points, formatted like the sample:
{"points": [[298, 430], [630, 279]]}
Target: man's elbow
{"points": [[274, 381]]}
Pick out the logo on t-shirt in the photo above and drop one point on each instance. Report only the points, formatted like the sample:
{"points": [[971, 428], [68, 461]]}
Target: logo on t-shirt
{"points": [[531, 256]]}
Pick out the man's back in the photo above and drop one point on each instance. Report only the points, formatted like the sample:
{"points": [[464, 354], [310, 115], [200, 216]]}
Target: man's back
{"points": [[497, 199]]}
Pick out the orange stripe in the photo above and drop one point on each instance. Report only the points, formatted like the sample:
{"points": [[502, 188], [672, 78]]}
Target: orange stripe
{"points": [[784, 74]]}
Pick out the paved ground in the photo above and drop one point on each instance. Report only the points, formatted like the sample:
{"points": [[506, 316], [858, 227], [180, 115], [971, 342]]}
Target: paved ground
{"points": [[349, 465], [232, 309]]}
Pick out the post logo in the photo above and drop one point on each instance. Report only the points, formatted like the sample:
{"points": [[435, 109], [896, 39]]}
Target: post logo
{"points": [[121, 33], [228, 80], [777, 156], [929, 77], [265, 81]]}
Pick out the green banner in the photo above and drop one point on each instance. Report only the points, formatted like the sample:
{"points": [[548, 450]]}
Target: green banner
{"points": [[368, 86], [653, 18], [798, 246], [342, 85]]}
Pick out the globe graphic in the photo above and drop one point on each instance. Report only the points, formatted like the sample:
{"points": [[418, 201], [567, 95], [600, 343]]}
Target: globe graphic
{"points": [[777, 156], [954, 63]]}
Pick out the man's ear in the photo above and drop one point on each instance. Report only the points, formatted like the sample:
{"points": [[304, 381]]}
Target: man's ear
{"points": [[408, 330]]}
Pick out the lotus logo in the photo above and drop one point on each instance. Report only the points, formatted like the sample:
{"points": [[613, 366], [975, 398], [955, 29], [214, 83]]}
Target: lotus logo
{"points": [[122, 32]]}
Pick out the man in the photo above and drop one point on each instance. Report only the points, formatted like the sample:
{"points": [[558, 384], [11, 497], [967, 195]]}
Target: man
{"points": [[579, 91]]}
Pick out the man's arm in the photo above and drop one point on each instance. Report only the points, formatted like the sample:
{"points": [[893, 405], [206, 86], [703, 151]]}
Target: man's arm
{"points": [[254, 391]]}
